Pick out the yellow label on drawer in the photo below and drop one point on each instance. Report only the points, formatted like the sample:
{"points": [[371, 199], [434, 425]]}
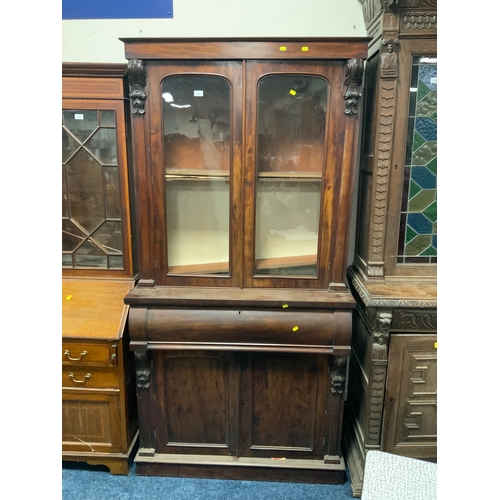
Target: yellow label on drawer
{"points": [[295, 328], [305, 49], [282, 48]]}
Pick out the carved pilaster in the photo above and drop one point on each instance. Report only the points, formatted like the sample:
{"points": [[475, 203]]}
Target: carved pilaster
{"points": [[337, 376], [353, 76], [136, 71], [142, 369], [388, 81], [378, 375]]}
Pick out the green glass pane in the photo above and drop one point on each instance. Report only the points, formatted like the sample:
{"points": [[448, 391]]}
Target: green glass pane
{"points": [[429, 251], [425, 154], [414, 189], [422, 200], [435, 228], [410, 234], [431, 212], [434, 116], [423, 90], [432, 166], [428, 105], [417, 245], [418, 140]]}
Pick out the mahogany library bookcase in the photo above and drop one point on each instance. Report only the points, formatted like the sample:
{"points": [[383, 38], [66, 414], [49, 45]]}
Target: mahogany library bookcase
{"points": [[244, 157]]}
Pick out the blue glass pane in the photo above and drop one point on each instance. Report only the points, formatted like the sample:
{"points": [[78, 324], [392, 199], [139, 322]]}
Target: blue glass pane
{"points": [[423, 177], [420, 223]]}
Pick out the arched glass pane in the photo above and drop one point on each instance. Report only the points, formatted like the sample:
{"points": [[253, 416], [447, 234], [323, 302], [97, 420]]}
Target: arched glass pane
{"points": [[197, 149], [291, 122]]}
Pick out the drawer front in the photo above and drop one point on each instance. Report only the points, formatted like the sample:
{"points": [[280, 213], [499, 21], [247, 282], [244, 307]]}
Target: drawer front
{"points": [[90, 378], [87, 353]]}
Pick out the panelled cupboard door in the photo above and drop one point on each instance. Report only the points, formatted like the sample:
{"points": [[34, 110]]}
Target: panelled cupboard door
{"points": [[250, 170], [410, 415], [283, 405], [194, 402]]}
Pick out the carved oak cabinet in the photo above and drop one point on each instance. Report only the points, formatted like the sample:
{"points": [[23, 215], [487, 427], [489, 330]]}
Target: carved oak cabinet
{"points": [[241, 321], [392, 400], [99, 412]]}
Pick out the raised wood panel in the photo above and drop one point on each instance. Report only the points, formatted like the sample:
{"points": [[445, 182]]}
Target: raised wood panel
{"points": [[195, 398], [284, 408], [410, 420], [88, 422]]}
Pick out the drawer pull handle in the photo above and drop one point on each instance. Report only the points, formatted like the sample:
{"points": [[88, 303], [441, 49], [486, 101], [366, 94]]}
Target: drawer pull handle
{"points": [[72, 377], [83, 353]]}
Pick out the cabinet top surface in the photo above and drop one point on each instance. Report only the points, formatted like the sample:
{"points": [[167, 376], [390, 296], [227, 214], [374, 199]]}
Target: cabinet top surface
{"points": [[240, 297], [94, 309]]}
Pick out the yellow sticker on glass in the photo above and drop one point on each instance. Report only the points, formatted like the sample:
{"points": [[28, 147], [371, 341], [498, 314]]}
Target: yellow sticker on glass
{"points": [[292, 92]]}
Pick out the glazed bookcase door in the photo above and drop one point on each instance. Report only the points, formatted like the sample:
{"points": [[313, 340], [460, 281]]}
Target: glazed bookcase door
{"points": [[95, 218], [294, 140], [412, 213], [196, 166]]}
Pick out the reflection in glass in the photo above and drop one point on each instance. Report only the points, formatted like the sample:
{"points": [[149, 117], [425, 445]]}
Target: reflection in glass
{"points": [[103, 145], [197, 149], [112, 186], [291, 124], [81, 123], [108, 118], [290, 156], [86, 189], [196, 111]]}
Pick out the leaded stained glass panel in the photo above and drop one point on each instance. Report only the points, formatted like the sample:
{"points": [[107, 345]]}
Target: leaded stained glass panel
{"points": [[91, 210], [418, 223]]}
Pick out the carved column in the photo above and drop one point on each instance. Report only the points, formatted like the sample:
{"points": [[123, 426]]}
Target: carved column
{"points": [[378, 374]]}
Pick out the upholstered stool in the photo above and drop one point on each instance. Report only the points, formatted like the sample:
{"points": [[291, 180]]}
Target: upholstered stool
{"points": [[393, 477]]}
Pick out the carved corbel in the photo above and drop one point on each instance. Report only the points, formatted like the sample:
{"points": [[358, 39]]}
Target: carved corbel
{"points": [[142, 369], [353, 76], [337, 376], [137, 83]]}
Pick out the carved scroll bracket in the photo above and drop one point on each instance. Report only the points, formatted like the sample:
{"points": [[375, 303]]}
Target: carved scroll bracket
{"points": [[353, 76], [337, 376], [142, 369], [137, 83]]}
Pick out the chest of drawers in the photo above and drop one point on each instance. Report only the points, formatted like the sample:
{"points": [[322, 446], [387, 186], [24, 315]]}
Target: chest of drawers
{"points": [[99, 415]]}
